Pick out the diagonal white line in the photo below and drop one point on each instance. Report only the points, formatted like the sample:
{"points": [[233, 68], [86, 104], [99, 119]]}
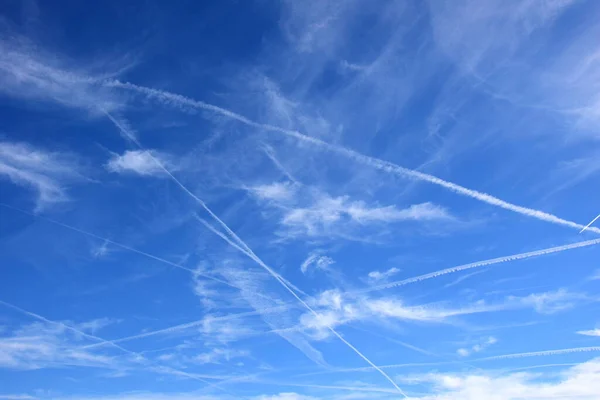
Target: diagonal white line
{"points": [[590, 224]]}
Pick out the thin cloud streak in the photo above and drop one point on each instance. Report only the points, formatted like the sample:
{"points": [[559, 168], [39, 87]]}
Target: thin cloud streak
{"points": [[183, 102], [483, 263], [541, 353], [124, 247], [188, 325], [242, 246]]}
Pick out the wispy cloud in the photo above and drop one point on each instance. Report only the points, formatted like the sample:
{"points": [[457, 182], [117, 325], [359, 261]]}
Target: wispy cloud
{"points": [[378, 276], [548, 302], [319, 215], [590, 332], [48, 173], [140, 162], [476, 348], [317, 261], [219, 355], [29, 72]]}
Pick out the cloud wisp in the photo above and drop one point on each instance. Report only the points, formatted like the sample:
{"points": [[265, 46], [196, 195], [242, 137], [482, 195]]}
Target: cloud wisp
{"points": [[48, 173]]}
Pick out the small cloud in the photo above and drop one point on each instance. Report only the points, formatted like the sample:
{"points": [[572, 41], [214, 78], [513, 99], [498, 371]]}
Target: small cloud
{"points": [[95, 325], [220, 355], [101, 251], [275, 191], [477, 348], [140, 162], [318, 261], [378, 276], [547, 302], [591, 332]]}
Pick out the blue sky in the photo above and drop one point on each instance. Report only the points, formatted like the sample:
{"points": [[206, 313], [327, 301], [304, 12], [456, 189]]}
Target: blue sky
{"points": [[299, 200]]}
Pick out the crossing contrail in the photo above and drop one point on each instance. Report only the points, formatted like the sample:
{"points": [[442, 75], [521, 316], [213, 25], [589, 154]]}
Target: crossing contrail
{"points": [[240, 245]]}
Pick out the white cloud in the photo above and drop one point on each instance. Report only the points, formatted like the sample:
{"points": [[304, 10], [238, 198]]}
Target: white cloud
{"points": [[39, 345], [337, 216], [28, 72], [335, 308], [318, 261], [46, 172], [591, 332], [275, 191], [476, 348], [548, 302], [220, 355], [377, 276], [579, 382], [141, 163], [94, 325]]}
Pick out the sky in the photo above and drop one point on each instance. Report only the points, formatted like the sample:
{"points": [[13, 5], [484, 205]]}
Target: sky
{"points": [[299, 200]]}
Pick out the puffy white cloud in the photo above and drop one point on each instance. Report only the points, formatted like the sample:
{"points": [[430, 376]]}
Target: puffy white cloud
{"points": [[141, 163]]}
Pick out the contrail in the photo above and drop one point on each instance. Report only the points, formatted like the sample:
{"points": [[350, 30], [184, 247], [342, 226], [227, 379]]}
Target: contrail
{"points": [[245, 249], [228, 240], [483, 263], [117, 244], [183, 102], [138, 357], [590, 224], [185, 326], [541, 353]]}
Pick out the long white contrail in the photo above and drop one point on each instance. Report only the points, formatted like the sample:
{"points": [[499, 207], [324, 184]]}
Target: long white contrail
{"points": [[244, 248], [541, 353], [479, 264], [590, 224], [183, 102]]}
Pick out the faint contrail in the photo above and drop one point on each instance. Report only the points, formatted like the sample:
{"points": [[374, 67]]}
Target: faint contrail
{"points": [[483, 263], [138, 357], [117, 244], [187, 325], [541, 353], [183, 102], [244, 248], [590, 224]]}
